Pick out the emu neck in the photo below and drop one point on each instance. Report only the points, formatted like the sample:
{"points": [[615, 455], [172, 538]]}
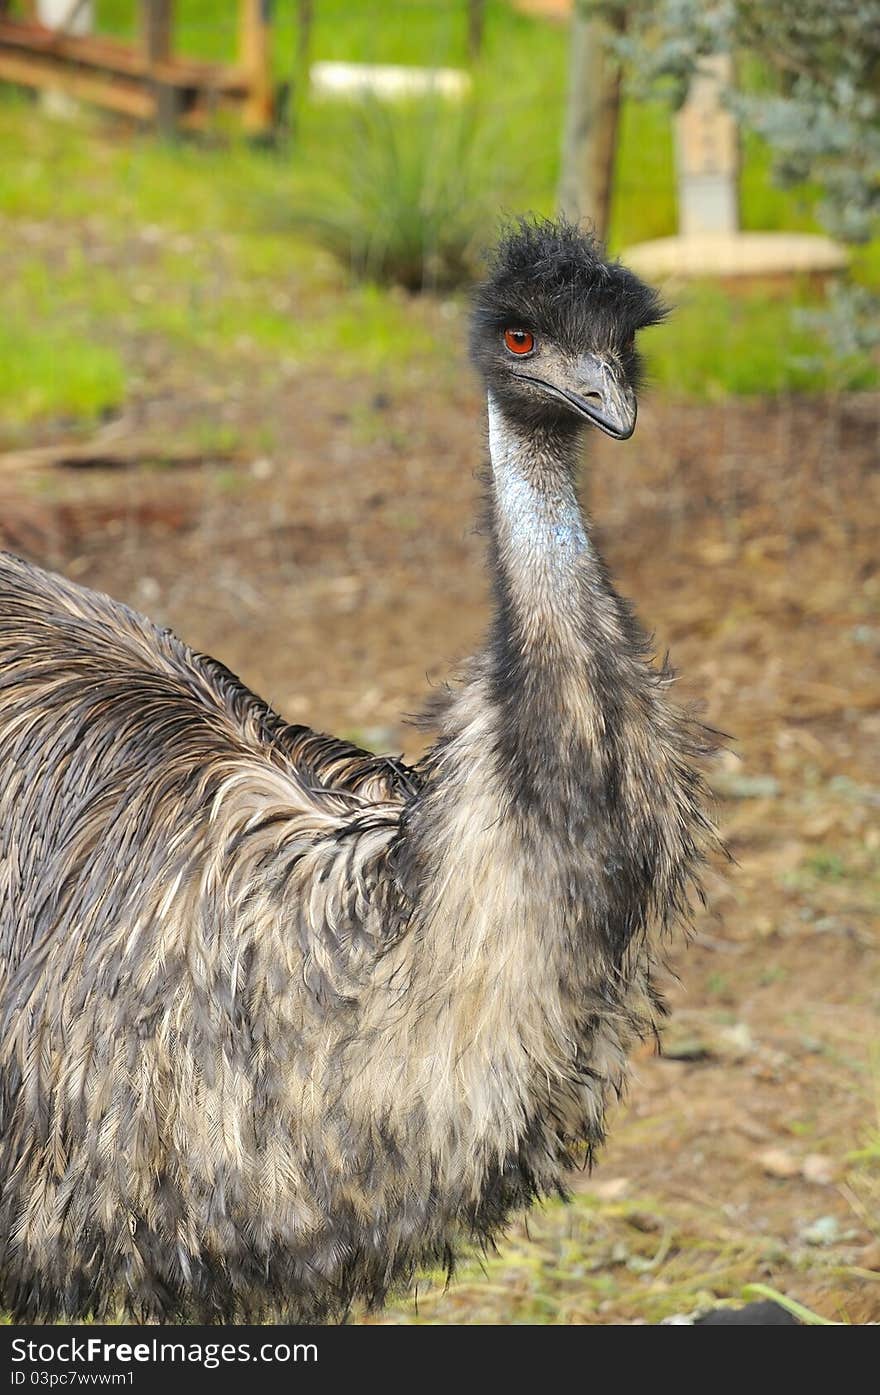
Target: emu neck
{"points": [[556, 609], [539, 533], [514, 852], [560, 642]]}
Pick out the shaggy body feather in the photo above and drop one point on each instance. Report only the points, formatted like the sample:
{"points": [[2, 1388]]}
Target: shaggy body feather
{"points": [[281, 1020]]}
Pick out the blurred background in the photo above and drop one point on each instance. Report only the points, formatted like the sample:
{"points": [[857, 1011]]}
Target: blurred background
{"points": [[235, 244]]}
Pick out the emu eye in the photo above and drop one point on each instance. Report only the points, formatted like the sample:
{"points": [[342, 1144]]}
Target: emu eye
{"points": [[519, 341]]}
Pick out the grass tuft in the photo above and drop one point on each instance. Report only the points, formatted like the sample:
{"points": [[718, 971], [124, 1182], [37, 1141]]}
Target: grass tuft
{"points": [[410, 197]]}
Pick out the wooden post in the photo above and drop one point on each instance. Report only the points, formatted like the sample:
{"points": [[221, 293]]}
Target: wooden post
{"points": [[156, 16], [156, 30], [476, 25], [255, 60], [707, 153], [590, 137]]}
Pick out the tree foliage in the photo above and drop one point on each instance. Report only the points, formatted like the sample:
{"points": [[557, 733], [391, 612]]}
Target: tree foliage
{"points": [[816, 100]]}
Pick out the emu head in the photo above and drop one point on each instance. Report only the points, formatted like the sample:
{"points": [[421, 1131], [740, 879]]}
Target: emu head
{"points": [[554, 327]]}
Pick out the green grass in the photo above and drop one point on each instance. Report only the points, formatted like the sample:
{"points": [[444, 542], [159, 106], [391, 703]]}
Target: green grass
{"points": [[56, 373], [715, 344], [233, 275], [643, 206], [409, 31], [577, 1262], [215, 306]]}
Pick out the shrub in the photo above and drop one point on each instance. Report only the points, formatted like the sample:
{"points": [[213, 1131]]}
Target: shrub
{"points": [[412, 197]]}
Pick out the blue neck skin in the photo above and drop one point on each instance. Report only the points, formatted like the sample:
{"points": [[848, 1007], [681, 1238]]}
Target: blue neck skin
{"points": [[540, 530]]}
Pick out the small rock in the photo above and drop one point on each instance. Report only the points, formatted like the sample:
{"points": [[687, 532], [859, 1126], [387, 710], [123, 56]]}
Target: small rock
{"points": [[715, 553], [819, 1169], [148, 589], [263, 468], [776, 1162], [686, 1049], [644, 1222], [378, 738], [736, 1042], [824, 1231], [850, 789], [611, 1188], [828, 925], [869, 1257], [638, 1264], [730, 786]]}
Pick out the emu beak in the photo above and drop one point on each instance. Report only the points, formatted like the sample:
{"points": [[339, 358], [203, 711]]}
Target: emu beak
{"points": [[595, 390], [599, 393]]}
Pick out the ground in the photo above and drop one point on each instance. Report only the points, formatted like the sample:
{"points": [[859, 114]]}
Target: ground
{"points": [[340, 573], [201, 413]]}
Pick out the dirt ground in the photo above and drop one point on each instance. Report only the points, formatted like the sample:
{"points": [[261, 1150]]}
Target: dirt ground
{"points": [[339, 572]]}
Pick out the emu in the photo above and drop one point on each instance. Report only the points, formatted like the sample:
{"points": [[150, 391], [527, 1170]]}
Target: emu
{"points": [[282, 1020]]}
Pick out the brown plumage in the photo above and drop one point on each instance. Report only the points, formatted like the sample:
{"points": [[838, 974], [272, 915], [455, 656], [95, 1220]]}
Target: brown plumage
{"points": [[280, 1020]]}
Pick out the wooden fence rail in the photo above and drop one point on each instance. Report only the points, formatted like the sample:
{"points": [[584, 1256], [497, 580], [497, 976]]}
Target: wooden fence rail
{"points": [[146, 80]]}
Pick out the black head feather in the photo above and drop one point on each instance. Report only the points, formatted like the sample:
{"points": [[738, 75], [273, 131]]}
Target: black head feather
{"points": [[553, 279]]}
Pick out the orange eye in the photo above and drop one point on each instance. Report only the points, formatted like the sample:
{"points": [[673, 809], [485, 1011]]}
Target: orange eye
{"points": [[519, 341]]}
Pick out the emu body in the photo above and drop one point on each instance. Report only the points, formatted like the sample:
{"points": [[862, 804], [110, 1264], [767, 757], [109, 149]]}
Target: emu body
{"points": [[280, 1020]]}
